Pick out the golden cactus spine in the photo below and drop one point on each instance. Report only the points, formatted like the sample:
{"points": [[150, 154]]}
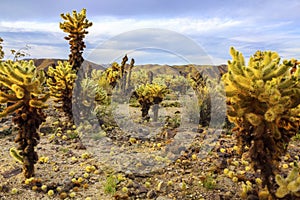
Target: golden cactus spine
{"points": [[75, 25], [61, 82], [263, 102], [27, 97]]}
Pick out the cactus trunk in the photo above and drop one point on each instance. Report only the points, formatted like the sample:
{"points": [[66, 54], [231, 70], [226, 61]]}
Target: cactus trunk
{"points": [[28, 120], [155, 112]]}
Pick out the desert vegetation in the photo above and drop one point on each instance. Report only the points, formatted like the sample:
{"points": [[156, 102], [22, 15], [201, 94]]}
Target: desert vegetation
{"points": [[130, 132]]}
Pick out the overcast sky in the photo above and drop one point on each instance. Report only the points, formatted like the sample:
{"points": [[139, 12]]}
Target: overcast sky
{"points": [[155, 31]]}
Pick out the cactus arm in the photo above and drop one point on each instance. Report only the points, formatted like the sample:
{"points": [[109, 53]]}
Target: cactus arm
{"points": [[15, 154], [11, 108]]}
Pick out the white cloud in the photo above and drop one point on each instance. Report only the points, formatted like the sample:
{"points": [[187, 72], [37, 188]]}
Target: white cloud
{"points": [[108, 27], [46, 51], [30, 26], [215, 35]]}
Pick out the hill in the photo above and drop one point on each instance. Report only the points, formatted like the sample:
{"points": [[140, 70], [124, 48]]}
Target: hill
{"points": [[211, 71], [44, 63]]}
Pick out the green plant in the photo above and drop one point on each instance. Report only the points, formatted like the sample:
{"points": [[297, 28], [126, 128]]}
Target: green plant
{"points": [[263, 102], [27, 97], [139, 77], [209, 182], [116, 76], [111, 184], [91, 95], [110, 77], [148, 95], [75, 26], [297, 137], [177, 83], [289, 185], [172, 122], [105, 116], [61, 82], [92, 90]]}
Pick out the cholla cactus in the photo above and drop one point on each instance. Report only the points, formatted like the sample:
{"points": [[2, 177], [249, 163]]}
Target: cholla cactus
{"points": [[92, 91], [139, 77], [96, 74], [111, 75], [91, 95], [76, 26], [289, 185], [116, 75], [199, 83], [61, 82], [148, 95], [263, 103], [179, 84], [27, 100]]}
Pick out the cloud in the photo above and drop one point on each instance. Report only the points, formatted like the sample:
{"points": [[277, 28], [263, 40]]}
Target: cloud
{"points": [[112, 26], [117, 36], [29, 26], [149, 42], [212, 25]]}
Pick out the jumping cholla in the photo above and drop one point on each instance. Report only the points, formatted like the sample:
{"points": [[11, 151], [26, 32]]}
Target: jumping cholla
{"points": [[27, 99], [263, 102]]}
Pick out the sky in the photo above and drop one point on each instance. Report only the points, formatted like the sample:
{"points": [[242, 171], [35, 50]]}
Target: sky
{"points": [[155, 31]]}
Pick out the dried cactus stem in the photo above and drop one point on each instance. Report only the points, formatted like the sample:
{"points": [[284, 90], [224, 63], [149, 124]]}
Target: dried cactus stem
{"points": [[129, 74]]}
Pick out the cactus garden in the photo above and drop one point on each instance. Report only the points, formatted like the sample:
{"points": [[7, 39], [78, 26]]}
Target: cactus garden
{"points": [[129, 131]]}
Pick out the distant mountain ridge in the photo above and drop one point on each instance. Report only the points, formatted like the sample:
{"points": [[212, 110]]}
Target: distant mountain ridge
{"points": [[211, 71], [44, 63]]}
